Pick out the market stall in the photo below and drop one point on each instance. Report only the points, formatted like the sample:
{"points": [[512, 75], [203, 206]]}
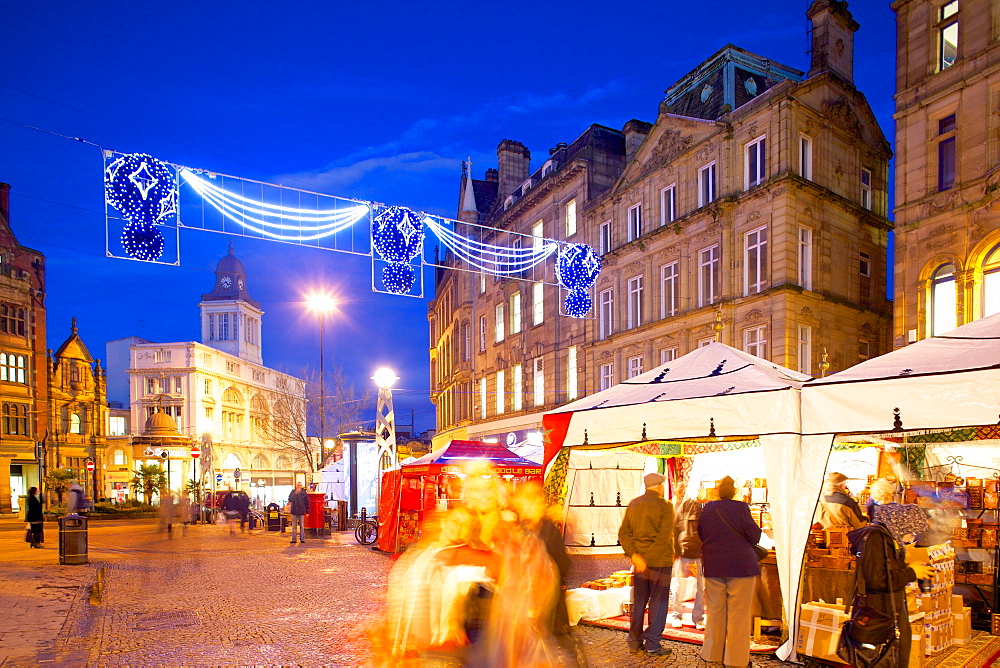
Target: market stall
{"points": [[712, 403], [434, 481], [930, 412]]}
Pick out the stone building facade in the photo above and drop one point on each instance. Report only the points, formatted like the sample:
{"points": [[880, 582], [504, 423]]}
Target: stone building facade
{"points": [[241, 413], [947, 263], [24, 409], [78, 413], [757, 198]]}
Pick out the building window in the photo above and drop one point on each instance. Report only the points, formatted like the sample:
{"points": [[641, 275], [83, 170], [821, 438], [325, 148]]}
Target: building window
{"points": [[206, 359], [538, 382], [805, 258], [709, 276], [207, 386], [669, 289], [258, 376], [946, 152], [668, 354], [538, 236], [570, 211], [864, 350], [12, 319], [755, 341], [537, 303], [223, 326], [15, 419], [635, 286], [118, 457], [865, 277], [805, 349], [634, 222], [466, 342], [706, 184], [948, 35], [515, 313], [991, 283], [161, 356], [634, 366], [12, 368], [209, 412], [755, 261], [571, 371], [232, 367], [706, 341], [606, 316], [805, 157], [755, 164], [607, 375], [116, 427], [482, 398], [605, 240], [943, 300], [517, 389], [500, 392], [482, 283], [866, 189], [668, 204], [498, 323], [211, 327], [75, 424], [482, 333]]}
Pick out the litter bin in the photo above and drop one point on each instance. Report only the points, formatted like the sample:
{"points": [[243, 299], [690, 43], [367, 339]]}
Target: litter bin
{"points": [[72, 539], [273, 517]]}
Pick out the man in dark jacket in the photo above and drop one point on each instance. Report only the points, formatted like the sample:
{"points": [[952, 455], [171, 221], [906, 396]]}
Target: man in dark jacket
{"points": [[647, 536], [298, 501]]}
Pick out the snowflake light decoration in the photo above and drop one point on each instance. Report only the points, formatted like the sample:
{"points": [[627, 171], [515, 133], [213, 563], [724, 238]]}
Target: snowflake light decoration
{"points": [[577, 270], [398, 237], [144, 191]]}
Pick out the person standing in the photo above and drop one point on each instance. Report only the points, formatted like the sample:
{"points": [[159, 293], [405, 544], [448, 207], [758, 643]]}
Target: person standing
{"points": [[298, 502], [35, 517], [231, 510], [728, 534], [836, 507], [647, 536], [688, 564]]}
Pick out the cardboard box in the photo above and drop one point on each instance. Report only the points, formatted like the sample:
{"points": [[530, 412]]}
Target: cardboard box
{"points": [[819, 630], [957, 604], [962, 627], [917, 647]]}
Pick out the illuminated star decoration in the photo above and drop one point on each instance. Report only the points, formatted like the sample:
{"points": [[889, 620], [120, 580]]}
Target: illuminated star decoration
{"points": [[577, 270], [398, 237], [144, 191]]}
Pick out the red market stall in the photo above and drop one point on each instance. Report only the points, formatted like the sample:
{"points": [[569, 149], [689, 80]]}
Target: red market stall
{"points": [[434, 481]]}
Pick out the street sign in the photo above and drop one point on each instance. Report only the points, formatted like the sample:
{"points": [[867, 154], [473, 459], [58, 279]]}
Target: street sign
{"points": [[218, 477], [236, 474], [90, 466], [195, 452]]}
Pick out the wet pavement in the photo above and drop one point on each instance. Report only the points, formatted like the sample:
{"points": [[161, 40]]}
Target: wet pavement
{"points": [[207, 598]]}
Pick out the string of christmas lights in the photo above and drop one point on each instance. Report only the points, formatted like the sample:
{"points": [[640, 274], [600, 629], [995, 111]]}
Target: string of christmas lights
{"points": [[490, 258]]}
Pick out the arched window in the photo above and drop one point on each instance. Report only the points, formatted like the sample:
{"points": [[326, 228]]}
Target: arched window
{"points": [[233, 461], [118, 458], [281, 463], [231, 396], [991, 282], [259, 463], [943, 300], [75, 425]]}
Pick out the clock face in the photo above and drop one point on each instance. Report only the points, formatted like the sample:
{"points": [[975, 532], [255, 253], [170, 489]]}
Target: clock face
{"points": [[239, 284], [226, 281]]}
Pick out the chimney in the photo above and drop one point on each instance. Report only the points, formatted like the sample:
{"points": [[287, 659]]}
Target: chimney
{"points": [[513, 160], [492, 175], [832, 39], [635, 133], [5, 202]]}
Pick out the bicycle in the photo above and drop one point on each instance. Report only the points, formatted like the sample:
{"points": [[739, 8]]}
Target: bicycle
{"points": [[366, 532]]}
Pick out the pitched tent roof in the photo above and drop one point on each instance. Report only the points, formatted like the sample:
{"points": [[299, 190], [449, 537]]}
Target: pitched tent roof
{"points": [[715, 386], [946, 381], [454, 456]]}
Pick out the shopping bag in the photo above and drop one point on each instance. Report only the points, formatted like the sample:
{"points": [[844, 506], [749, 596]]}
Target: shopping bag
{"points": [[27, 534]]}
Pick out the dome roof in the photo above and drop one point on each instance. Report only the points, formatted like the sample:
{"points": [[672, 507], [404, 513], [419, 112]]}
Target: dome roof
{"points": [[230, 264], [160, 424]]}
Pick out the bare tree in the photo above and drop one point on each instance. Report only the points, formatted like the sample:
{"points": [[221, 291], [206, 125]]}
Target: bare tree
{"points": [[291, 420]]}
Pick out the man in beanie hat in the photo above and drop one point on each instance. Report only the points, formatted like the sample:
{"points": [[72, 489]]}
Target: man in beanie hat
{"points": [[647, 536], [836, 507]]}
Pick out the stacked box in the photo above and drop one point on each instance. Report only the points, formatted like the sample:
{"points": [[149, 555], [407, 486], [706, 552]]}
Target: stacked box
{"points": [[917, 647], [962, 628], [819, 630]]}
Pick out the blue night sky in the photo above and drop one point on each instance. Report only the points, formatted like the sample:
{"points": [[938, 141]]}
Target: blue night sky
{"points": [[376, 100]]}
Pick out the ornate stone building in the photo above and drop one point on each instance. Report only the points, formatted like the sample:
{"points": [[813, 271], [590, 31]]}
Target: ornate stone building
{"points": [[78, 413], [23, 389], [245, 416], [758, 197], [947, 263]]}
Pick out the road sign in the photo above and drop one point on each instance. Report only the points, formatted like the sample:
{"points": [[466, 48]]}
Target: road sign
{"points": [[218, 477], [90, 466], [195, 452], [236, 474]]}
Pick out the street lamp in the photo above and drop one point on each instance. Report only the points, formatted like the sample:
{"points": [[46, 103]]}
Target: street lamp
{"points": [[385, 426], [321, 303]]}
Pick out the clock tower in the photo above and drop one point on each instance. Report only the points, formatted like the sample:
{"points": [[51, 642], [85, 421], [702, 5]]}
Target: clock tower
{"points": [[230, 319]]}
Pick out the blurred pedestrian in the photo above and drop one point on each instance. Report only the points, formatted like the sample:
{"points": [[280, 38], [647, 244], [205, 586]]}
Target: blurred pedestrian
{"points": [[231, 510], [243, 507], [647, 536], [728, 534], [75, 499], [836, 506], [35, 517], [184, 511], [298, 506], [688, 565], [167, 510]]}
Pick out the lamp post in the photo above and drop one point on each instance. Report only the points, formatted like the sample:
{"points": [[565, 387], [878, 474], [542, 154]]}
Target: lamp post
{"points": [[385, 426], [320, 303]]}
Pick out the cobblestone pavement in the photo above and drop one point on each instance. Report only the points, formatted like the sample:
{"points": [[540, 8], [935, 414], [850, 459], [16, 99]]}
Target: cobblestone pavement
{"points": [[206, 598]]}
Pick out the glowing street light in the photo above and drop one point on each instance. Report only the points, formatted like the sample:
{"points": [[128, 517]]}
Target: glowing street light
{"points": [[321, 303]]}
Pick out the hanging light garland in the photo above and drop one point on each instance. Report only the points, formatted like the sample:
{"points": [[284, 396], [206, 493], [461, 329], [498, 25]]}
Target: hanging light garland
{"points": [[145, 192]]}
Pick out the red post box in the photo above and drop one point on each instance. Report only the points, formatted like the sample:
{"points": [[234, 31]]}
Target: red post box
{"points": [[317, 503]]}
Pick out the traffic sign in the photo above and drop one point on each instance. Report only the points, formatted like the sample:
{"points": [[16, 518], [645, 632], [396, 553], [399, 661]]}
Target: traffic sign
{"points": [[195, 452], [236, 474], [218, 477], [90, 465]]}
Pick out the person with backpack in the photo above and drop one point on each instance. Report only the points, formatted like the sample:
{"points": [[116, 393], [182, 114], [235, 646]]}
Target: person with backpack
{"points": [[687, 564], [76, 501]]}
